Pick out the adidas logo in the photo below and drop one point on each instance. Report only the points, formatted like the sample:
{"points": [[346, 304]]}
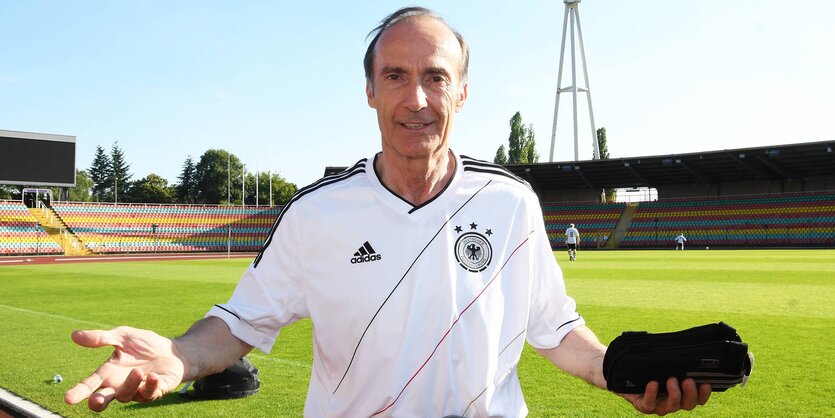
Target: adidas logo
{"points": [[365, 254]]}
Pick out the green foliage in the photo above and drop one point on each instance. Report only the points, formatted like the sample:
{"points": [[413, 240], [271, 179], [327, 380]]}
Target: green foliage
{"points": [[282, 191], [516, 139], [82, 192], [120, 174], [521, 144], [529, 154], [601, 144], [150, 189], [187, 189], [100, 172], [778, 300], [501, 156], [610, 195], [213, 176], [9, 192]]}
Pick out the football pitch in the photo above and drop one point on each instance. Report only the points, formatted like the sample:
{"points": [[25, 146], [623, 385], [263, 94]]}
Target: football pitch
{"points": [[782, 303]]}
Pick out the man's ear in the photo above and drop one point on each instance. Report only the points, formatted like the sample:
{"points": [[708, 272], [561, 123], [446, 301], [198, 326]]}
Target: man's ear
{"points": [[369, 93], [462, 96]]}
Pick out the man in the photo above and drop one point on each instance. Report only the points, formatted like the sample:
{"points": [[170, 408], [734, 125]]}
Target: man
{"points": [[423, 272], [572, 240], [680, 239]]}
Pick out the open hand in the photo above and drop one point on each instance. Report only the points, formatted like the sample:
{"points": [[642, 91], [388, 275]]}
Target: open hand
{"points": [[144, 367]]}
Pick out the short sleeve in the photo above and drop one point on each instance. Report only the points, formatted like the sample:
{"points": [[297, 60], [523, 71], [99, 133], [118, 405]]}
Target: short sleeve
{"points": [[552, 313], [270, 294]]}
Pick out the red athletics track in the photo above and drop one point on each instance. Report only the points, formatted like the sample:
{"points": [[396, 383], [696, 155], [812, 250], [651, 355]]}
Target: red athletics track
{"points": [[63, 259]]}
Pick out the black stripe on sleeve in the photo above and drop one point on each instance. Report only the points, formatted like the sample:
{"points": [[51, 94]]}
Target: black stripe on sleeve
{"points": [[230, 312], [358, 168]]}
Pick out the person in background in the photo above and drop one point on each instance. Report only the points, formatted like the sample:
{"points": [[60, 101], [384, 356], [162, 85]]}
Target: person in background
{"points": [[680, 240], [572, 240]]}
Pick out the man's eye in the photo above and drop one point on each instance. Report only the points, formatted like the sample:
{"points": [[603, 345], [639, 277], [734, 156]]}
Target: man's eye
{"points": [[393, 77], [438, 79]]}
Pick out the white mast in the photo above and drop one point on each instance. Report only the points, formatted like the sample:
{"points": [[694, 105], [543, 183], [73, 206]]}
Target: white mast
{"points": [[572, 12]]}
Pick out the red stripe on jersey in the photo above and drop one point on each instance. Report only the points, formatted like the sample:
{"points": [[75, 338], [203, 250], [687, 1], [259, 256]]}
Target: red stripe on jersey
{"points": [[453, 325]]}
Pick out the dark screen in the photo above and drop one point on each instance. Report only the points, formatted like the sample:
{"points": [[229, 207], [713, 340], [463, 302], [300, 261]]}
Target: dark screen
{"points": [[37, 162]]}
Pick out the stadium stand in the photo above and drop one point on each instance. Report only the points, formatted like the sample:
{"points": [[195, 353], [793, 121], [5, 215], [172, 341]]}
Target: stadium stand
{"points": [[595, 221], [792, 219], [20, 233], [137, 228]]}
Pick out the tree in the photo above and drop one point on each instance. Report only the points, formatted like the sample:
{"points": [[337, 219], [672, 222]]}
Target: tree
{"points": [[187, 189], [151, 189], [120, 179], [529, 154], [282, 190], [100, 173], [609, 194], [211, 177], [521, 144], [82, 192], [601, 144], [516, 139], [501, 157]]}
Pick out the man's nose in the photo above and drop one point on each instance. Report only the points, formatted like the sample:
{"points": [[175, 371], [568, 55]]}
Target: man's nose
{"points": [[415, 99]]}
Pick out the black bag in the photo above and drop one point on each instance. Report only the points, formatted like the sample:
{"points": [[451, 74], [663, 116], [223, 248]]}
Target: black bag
{"points": [[712, 353], [237, 381]]}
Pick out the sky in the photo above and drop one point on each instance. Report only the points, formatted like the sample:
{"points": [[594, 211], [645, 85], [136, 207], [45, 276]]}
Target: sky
{"points": [[281, 85]]}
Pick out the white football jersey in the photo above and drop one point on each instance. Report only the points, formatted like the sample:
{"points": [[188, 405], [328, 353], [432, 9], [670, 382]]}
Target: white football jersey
{"points": [[571, 235], [417, 311]]}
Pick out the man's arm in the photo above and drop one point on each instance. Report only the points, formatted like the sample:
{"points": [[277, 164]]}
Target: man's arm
{"points": [[145, 366], [209, 347], [581, 354]]}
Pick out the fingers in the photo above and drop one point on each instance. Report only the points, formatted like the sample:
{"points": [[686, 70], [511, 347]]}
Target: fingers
{"points": [[83, 389], [689, 394], [96, 338], [153, 389], [100, 400], [127, 390], [647, 403], [704, 393], [673, 401]]}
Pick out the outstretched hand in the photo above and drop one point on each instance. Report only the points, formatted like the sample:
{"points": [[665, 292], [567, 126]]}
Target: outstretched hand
{"points": [[687, 396], [144, 367]]}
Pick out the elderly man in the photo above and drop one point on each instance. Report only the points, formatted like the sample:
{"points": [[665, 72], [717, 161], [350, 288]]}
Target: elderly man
{"points": [[423, 271]]}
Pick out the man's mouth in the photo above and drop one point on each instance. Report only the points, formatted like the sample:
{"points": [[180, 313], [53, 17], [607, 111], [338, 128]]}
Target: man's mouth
{"points": [[415, 126]]}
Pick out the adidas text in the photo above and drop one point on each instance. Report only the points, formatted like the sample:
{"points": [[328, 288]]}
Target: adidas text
{"points": [[366, 258]]}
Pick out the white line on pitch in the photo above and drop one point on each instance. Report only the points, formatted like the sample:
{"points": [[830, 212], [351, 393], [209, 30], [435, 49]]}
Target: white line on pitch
{"points": [[11, 261], [65, 318]]}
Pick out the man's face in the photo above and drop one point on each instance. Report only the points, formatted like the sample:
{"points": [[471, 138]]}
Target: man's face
{"points": [[417, 87]]}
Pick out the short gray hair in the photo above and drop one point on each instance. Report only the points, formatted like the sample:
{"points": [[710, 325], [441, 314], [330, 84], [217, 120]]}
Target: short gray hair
{"points": [[403, 14]]}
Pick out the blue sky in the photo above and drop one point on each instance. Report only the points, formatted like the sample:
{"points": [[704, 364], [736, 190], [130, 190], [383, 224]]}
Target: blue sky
{"points": [[280, 84]]}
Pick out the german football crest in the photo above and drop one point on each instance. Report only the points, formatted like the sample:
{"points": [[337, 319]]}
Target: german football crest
{"points": [[473, 250]]}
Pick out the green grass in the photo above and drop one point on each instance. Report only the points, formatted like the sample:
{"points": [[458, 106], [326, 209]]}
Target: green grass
{"points": [[781, 302]]}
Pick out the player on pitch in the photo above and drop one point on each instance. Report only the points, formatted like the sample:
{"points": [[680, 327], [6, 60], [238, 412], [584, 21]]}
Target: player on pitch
{"points": [[423, 271]]}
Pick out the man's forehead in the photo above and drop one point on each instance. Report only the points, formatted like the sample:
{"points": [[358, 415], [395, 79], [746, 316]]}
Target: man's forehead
{"points": [[423, 37]]}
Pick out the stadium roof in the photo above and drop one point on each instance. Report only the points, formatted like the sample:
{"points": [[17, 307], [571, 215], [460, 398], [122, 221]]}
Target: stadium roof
{"points": [[772, 163]]}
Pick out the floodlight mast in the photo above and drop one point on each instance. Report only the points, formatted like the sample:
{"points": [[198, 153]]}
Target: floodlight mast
{"points": [[572, 11]]}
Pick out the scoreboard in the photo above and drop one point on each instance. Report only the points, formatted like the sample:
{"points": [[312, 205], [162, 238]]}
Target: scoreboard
{"points": [[37, 159]]}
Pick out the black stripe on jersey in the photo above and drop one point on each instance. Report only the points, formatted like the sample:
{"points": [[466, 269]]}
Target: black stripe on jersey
{"points": [[358, 168], [414, 208], [569, 322], [471, 164], [230, 312], [367, 327]]}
